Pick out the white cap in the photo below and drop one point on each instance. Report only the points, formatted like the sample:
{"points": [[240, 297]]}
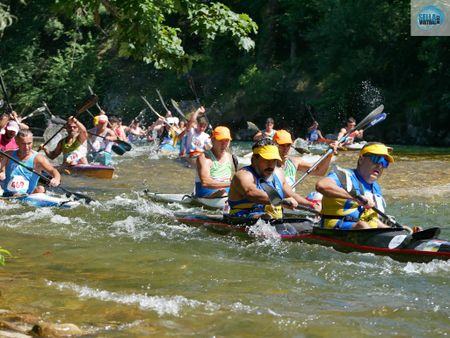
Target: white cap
{"points": [[12, 126], [102, 119]]}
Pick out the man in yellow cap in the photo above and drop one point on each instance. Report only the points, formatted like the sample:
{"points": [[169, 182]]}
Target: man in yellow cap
{"points": [[341, 209], [291, 165], [248, 196], [215, 166]]}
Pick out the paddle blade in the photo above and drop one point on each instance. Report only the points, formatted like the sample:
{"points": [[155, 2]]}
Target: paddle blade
{"points": [[378, 119], [377, 111], [252, 126], [87, 103], [116, 148]]}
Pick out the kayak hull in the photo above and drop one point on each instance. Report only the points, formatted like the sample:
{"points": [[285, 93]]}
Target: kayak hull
{"points": [[394, 242], [213, 203], [43, 200], [89, 170]]}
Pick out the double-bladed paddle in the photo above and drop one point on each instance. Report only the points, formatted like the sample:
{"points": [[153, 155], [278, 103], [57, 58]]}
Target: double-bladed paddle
{"points": [[365, 122], [77, 195]]}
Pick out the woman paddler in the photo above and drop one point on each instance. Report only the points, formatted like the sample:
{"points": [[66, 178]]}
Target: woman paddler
{"points": [[101, 141]]}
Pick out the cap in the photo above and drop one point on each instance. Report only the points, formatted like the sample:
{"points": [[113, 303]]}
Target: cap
{"points": [[268, 152], [221, 133], [377, 149], [102, 119], [282, 137], [13, 126], [172, 120]]}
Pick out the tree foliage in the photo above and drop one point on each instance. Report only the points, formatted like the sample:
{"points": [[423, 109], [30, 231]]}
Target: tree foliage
{"points": [[288, 59]]}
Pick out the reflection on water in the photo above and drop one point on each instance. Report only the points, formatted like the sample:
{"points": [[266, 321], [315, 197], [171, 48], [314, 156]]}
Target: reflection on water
{"points": [[123, 267]]}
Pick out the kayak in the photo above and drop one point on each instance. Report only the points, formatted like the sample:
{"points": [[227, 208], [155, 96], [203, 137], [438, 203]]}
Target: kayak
{"points": [[355, 146], [89, 170], [211, 203], [214, 203], [41, 200], [422, 246]]}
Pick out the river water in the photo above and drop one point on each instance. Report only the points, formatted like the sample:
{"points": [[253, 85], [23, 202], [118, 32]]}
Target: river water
{"points": [[124, 267]]}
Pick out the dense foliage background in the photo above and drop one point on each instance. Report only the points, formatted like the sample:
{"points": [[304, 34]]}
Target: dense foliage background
{"points": [[293, 60]]}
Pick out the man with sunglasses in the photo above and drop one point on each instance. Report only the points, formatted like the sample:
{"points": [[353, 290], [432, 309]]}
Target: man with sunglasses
{"points": [[341, 209]]}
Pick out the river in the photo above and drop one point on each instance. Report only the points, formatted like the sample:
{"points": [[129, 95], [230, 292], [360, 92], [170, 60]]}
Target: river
{"points": [[124, 267]]}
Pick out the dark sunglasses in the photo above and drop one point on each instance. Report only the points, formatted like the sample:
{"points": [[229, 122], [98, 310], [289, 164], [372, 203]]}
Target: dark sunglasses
{"points": [[377, 159]]}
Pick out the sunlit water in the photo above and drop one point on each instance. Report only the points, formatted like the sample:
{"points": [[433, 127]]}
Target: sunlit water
{"points": [[124, 267]]}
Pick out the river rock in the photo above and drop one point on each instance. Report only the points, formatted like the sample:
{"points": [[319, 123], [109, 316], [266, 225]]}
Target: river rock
{"points": [[56, 330]]}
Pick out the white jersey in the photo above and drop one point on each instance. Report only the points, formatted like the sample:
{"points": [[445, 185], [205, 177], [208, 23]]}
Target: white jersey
{"points": [[197, 142]]}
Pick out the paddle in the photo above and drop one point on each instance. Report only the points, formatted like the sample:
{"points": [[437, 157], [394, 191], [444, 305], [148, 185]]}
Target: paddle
{"points": [[390, 220], [88, 103], [47, 180], [177, 108], [367, 120], [162, 101], [5, 94], [159, 115], [35, 112], [123, 145]]}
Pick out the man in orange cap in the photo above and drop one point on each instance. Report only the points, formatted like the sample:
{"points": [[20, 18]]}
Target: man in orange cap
{"points": [[249, 195], [342, 209], [215, 166]]}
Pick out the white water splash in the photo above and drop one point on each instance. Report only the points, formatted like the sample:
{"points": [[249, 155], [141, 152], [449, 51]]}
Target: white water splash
{"points": [[58, 219], [161, 305], [371, 95], [170, 305], [432, 268]]}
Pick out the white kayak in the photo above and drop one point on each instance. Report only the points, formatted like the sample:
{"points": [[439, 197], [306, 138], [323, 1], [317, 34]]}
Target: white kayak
{"points": [[41, 200], [215, 203], [355, 146]]}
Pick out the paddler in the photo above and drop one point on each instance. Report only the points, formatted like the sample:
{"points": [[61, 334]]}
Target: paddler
{"points": [[314, 134], [100, 142], [268, 131], [73, 146], [341, 209], [248, 196], [215, 166], [290, 165], [197, 139], [7, 140], [357, 134], [18, 180]]}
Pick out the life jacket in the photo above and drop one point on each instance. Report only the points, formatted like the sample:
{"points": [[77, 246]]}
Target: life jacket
{"points": [[246, 208], [335, 211]]}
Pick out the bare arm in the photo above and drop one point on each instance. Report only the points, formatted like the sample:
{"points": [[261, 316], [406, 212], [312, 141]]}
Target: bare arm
{"points": [[320, 170], [258, 136], [110, 135], [243, 185], [203, 168], [53, 153], [41, 164]]}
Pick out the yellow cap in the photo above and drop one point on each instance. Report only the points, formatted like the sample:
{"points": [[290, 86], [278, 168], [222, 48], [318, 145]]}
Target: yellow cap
{"points": [[282, 137], [268, 152], [221, 133], [377, 149]]}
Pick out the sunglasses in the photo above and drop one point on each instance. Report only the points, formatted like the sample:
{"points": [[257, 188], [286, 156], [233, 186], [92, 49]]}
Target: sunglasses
{"points": [[377, 159]]}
